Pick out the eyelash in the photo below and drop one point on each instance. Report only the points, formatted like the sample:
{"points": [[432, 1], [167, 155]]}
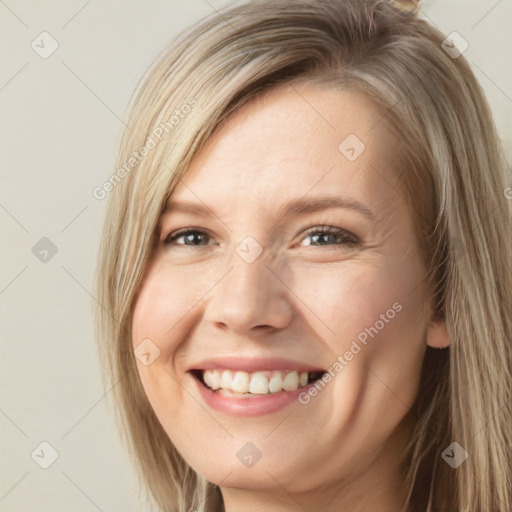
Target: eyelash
{"points": [[347, 238]]}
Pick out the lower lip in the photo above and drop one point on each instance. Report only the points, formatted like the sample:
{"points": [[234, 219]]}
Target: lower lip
{"points": [[257, 406]]}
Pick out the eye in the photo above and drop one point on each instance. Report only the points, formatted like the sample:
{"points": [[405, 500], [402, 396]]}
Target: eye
{"points": [[318, 235], [331, 236], [188, 235]]}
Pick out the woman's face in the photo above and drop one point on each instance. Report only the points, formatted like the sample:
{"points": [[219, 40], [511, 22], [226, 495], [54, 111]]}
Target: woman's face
{"points": [[247, 291]]}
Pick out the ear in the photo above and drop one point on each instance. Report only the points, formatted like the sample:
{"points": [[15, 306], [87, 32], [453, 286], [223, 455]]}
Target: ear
{"points": [[437, 335]]}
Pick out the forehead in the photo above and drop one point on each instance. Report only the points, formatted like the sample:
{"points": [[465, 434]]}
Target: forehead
{"points": [[291, 142]]}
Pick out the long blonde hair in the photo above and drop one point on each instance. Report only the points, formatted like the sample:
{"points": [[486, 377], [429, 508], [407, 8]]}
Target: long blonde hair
{"points": [[452, 171]]}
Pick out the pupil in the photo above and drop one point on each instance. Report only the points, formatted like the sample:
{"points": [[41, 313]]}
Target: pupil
{"points": [[191, 236], [320, 238]]}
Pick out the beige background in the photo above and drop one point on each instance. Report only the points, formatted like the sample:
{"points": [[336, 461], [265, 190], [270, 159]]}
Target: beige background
{"points": [[59, 125]]}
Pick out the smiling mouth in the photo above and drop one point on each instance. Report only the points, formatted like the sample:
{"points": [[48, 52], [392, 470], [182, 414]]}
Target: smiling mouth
{"points": [[241, 384]]}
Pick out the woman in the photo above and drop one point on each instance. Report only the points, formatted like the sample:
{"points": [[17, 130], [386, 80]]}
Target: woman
{"points": [[305, 270]]}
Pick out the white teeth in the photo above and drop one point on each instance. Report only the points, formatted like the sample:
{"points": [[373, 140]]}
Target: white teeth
{"points": [[275, 384], [291, 381], [240, 382], [257, 383], [226, 379], [216, 379], [208, 379]]}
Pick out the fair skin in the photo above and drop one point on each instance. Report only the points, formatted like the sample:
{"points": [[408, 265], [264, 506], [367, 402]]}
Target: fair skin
{"points": [[306, 298]]}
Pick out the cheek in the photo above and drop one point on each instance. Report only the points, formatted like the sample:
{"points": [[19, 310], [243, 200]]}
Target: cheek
{"points": [[371, 313], [159, 315], [359, 297], [151, 316], [165, 305], [164, 313]]}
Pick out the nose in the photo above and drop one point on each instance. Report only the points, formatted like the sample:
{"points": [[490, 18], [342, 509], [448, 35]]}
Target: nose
{"points": [[250, 298]]}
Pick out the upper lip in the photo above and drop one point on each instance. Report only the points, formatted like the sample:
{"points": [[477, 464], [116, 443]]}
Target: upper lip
{"points": [[253, 364]]}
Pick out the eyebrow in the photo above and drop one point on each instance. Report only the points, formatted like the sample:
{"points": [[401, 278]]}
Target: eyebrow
{"points": [[296, 207]]}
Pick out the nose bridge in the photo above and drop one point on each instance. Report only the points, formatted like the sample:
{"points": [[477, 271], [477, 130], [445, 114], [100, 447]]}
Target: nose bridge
{"points": [[249, 262], [250, 295]]}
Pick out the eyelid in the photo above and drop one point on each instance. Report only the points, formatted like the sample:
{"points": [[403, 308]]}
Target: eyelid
{"points": [[327, 228], [349, 238]]}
